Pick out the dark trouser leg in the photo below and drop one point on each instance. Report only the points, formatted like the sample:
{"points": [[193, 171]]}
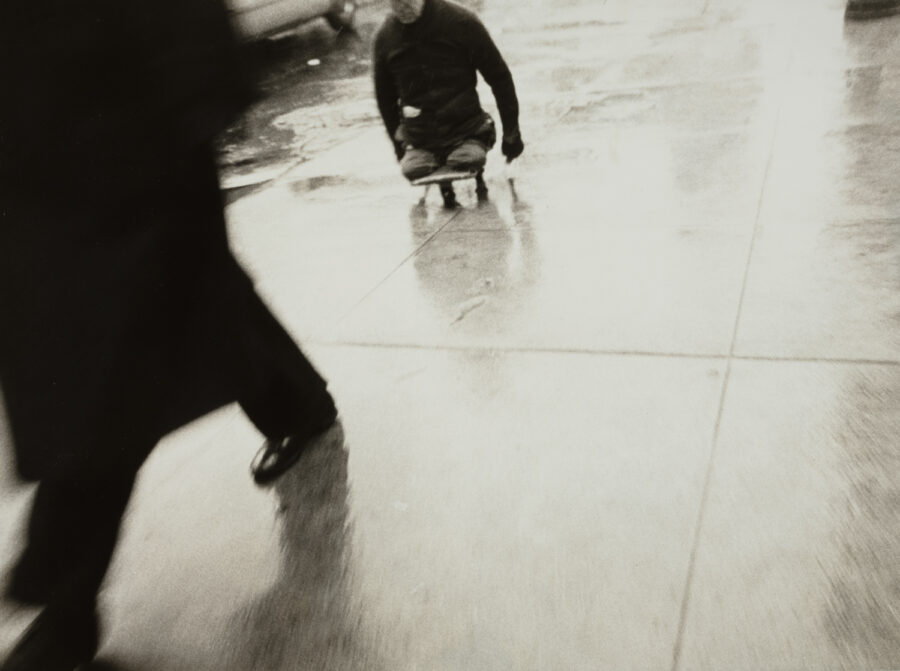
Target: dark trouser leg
{"points": [[418, 163], [285, 409], [72, 533], [287, 396], [287, 399], [468, 155]]}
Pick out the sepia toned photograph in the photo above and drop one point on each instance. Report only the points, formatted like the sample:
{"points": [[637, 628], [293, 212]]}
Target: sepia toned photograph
{"points": [[450, 335]]}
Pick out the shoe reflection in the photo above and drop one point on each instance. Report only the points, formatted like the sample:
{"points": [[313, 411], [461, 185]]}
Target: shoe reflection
{"points": [[306, 619], [486, 253]]}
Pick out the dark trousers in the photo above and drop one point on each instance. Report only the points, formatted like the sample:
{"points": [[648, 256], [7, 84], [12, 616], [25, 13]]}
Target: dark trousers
{"points": [[465, 148], [75, 520], [468, 155]]}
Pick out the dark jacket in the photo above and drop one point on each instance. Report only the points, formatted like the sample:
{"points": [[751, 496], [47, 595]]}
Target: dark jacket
{"points": [[431, 65], [120, 300]]}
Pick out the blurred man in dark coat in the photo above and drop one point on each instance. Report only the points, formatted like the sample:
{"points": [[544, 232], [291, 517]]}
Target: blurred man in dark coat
{"points": [[124, 312]]}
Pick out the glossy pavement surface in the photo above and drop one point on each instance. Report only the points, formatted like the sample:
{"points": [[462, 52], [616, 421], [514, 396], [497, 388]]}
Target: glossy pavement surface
{"points": [[640, 412]]}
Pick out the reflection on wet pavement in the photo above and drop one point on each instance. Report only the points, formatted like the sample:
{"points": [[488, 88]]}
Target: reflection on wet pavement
{"points": [[307, 618], [468, 271]]}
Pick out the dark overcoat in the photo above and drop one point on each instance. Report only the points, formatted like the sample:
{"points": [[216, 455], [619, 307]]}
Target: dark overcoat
{"points": [[120, 302]]}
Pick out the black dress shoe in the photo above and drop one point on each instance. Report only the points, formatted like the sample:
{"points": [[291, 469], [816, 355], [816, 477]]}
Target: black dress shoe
{"points": [[56, 641], [276, 456]]}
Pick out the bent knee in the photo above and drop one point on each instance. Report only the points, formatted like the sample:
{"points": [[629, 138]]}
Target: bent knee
{"points": [[418, 163], [470, 155]]}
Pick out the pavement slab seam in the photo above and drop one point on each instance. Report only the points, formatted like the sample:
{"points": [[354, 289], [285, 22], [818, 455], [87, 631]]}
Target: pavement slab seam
{"points": [[837, 361], [684, 609], [707, 481], [398, 266]]}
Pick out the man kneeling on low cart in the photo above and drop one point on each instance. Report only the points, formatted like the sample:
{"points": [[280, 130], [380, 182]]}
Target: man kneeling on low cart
{"points": [[427, 55]]}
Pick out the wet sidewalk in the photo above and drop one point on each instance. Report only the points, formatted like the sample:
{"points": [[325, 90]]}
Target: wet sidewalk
{"points": [[641, 410]]}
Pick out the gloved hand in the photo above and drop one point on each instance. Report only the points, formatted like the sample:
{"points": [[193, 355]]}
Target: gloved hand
{"points": [[512, 145], [399, 149]]}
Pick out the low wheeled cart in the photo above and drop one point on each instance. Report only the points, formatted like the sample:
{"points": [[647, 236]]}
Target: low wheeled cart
{"points": [[444, 178]]}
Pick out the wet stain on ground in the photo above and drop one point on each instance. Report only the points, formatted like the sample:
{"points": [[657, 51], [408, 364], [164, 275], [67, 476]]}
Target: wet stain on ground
{"points": [[308, 81], [318, 182]]}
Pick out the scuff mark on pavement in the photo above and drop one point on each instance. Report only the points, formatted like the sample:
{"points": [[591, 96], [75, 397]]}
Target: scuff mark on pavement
{"points": [[466, 307]]}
